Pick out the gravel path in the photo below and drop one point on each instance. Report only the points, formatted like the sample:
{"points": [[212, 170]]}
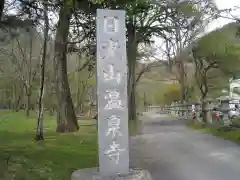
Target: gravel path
{"points": [[171, 151]]}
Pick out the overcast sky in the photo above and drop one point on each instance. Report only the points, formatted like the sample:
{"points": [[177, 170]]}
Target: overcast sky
{"points": [[223, 4]]}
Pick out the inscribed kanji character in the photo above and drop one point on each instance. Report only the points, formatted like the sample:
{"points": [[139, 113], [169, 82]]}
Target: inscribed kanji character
{"points": [[111, 25], [114, 152], [111, 75], [113, 126], [110, 47], [113, 100]]}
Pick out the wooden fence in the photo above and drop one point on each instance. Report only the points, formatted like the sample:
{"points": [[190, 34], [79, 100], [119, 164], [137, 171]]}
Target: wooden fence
{"points": [[186, 110]]}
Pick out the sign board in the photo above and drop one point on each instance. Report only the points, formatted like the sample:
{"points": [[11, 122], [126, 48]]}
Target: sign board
{"points": [[112, 93]]}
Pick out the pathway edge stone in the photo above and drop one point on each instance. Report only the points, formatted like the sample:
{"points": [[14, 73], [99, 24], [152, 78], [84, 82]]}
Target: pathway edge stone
{"points": [[93, 174]]}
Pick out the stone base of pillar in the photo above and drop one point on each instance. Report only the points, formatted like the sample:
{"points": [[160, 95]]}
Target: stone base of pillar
{"points": [[93, 174]]}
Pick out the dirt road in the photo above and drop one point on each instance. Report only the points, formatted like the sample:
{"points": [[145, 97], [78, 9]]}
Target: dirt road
{"points": [[171, 151]]}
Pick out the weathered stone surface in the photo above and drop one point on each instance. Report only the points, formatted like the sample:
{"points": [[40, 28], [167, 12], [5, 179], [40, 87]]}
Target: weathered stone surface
{"points": [[93, 174], [112, 92]]}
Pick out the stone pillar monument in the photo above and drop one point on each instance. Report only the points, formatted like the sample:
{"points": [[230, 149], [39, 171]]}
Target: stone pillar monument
{"points": [[112, 103]]}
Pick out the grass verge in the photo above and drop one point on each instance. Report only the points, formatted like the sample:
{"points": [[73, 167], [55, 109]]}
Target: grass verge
{"points": [[21, 158], [232, 134]]}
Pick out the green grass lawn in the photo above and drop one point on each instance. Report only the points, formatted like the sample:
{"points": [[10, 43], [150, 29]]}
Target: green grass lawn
{"points": [[21, 158]]}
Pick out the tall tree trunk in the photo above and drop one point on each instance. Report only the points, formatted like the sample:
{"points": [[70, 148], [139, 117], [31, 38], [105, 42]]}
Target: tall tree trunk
{"points": [[19, 98], [204, 92], [180, 60], [66, 117], [132, 55], [204, 112], [182, 81], [204, 105], [80, 99], [132, 92], [28, 105], [28, 83], [2, 2], [145, 102], [39, 132]]}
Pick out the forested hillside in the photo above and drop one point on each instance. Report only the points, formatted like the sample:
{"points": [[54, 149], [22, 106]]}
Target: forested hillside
{"points": [[20, 73], [220, 47]]}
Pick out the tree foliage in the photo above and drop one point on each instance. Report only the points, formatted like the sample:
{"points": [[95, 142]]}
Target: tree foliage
{"points": [[215, 55], [71, 53], [221, 48], [186, 23], [171, 93]]}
